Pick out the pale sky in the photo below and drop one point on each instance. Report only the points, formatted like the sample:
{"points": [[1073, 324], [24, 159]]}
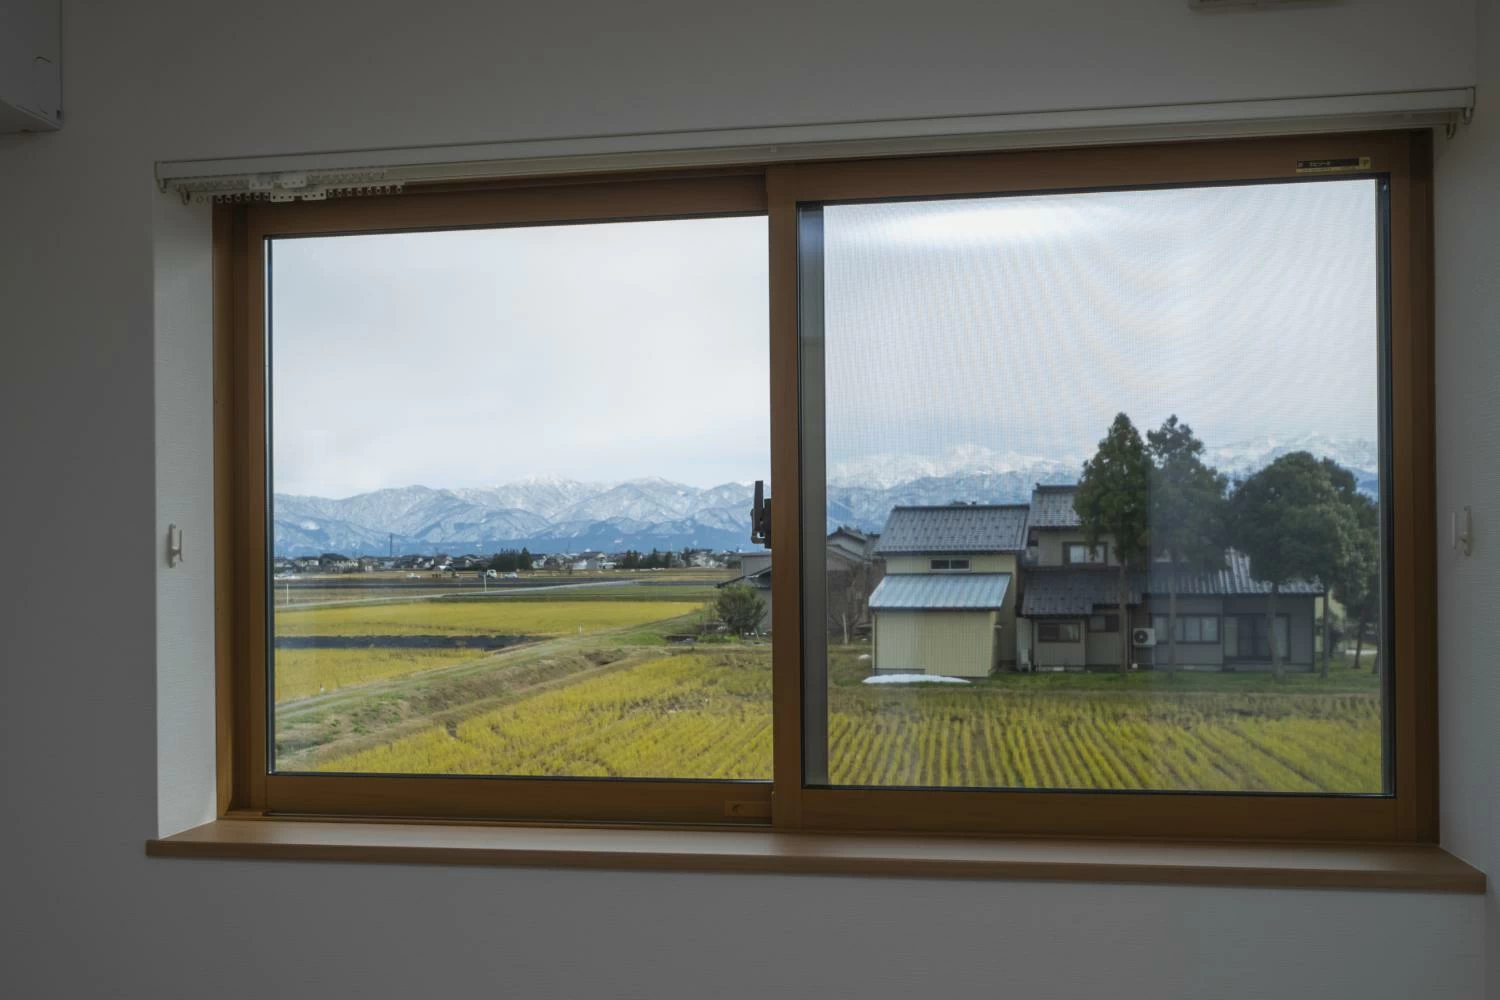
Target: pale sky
{"points": [[595, 352], [1023, 324]]}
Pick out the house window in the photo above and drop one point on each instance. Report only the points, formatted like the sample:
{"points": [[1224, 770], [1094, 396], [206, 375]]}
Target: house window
{"points": [[1247, 637], [1058, 632], [1190, 628], [595, 346], [1075, 553], [1104, 623]]}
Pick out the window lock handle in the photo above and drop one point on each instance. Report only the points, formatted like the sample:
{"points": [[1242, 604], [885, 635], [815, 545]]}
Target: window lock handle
{"points": [[760, 516]]}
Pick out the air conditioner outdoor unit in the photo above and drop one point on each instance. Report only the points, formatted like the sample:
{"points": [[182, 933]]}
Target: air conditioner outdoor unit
{"points": [[1143, 637], [30, 66]]}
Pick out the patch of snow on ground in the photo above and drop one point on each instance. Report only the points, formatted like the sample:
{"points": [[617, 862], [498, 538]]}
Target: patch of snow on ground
{"points": [[914, 679]]}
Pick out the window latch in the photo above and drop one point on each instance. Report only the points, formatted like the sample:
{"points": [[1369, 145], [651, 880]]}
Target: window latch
{"points": [[760, 516]]}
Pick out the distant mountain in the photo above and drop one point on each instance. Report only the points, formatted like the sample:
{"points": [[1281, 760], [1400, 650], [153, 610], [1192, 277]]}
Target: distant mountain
{"points": [[566, 515], [1241, 458]]}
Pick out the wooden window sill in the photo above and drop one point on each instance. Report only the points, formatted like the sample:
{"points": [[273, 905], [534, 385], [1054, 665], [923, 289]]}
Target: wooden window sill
{"points": [[1341, 866]]}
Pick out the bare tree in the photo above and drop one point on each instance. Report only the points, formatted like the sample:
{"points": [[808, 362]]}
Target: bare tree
{"points": [[849, 593]]}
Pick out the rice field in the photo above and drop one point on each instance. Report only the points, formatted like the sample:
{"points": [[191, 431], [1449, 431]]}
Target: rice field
{"points": [[707, 715], [499, 616], [303, 673], [704, 716]]}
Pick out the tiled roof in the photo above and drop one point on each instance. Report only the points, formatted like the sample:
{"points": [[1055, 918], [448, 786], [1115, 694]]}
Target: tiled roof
{"points": [[1072, 591], [1052, 507], [954, 528], [760, 579], [1234, 580], [939, 591], [1079, 591]]}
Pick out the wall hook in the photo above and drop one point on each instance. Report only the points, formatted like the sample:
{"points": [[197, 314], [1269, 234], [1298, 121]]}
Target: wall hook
{"points": [[174, 545]]}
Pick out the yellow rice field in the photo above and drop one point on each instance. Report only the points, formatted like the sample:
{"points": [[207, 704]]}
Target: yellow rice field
{"points": [[707, 715], [478, 617], [302, 673]]}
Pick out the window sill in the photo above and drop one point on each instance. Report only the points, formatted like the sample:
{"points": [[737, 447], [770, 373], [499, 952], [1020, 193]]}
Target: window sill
{"points": [[1393, 867]]}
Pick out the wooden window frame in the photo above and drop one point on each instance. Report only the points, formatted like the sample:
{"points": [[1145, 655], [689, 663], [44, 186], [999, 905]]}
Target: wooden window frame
{"points": [[1408, 814], [947, 565], [246, 781]]}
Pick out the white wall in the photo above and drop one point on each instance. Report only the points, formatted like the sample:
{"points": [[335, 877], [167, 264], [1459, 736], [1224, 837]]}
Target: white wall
{"points": [[104, 437], [1467, 231]]}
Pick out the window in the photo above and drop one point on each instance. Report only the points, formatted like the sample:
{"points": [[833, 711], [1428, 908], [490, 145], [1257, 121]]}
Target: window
{"points": [[486, 471], [1247, 637], [1078, 552], [1190, 628], [1058, 632]]}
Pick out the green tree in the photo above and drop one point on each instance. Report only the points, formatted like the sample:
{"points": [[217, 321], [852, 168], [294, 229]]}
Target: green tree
{"points": [[1356, 580], [1112, 500], [1290, 521], [524, 560], [1357, 569], [740, 608], [1186, 510]]}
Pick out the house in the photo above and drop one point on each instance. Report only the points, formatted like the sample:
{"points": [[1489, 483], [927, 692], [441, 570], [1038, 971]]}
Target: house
{"points": [[976, 588], [1070, 594], [848, 548], [947, 603], [851, 567]]}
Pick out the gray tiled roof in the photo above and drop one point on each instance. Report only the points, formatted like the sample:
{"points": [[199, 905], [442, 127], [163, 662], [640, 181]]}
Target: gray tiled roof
{"points": [[1079, 591], [1052, 507], [954, 528], [760, 579], [940, 591], [1072, 591], [1234, 580]]}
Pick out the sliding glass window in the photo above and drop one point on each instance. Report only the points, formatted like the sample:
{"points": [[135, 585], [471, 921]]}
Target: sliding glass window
{"points": [[509, 504], [1163, 405]]}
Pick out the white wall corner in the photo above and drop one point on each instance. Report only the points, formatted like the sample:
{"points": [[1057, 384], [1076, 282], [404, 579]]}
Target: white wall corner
{"points": [[183, 340]]}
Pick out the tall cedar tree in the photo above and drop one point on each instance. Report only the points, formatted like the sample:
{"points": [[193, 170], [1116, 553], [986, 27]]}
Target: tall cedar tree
{"points": [[1356, 581], [1187, 513], [1290, 521], [1112, 500]]}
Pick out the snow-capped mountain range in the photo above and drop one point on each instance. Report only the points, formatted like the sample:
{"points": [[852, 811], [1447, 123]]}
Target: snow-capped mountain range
{"points": [[565, 515]]}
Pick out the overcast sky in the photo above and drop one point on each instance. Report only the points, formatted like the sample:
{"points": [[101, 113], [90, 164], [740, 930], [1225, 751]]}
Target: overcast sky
{"points": [[1025, 324], [614, 351]]}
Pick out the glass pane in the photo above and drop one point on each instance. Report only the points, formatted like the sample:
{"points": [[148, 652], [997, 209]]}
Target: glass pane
{"points": [[1162, 405], [512, 483]]}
